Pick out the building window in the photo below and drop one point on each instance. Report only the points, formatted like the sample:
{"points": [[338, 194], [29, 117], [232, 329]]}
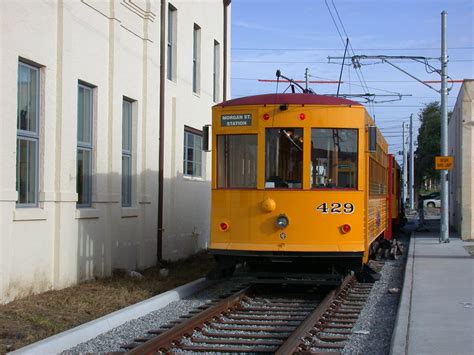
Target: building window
{"points": [[27, 135], [171, 45], [192, 160], [196, 57], [215, 72], [237, 161], [127, 153], [85, 115]]}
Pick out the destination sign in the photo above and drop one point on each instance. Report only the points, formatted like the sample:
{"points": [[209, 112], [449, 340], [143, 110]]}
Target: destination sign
{"points": [[236, 120]]}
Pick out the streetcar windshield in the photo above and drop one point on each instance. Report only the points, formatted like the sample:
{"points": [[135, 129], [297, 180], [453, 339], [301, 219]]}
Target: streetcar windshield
{"points": [[284, 158], [333, 158], [237, 161]]}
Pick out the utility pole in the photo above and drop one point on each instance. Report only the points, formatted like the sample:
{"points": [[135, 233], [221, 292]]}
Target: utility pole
{"points": [[444, 234], [306, 78], [405, 168], [412, 167]]}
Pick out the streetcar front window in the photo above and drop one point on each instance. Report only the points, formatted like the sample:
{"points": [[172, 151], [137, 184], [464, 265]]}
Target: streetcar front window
{"points": [[333, 158], [237, 161], [283, 158]]}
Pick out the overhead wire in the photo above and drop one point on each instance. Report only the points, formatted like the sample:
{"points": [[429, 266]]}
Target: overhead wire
{"points": [[361, 75], [338, 49]]}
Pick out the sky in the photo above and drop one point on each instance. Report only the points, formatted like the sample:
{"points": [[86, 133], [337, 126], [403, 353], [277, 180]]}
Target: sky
{"points": [[292, 35]]}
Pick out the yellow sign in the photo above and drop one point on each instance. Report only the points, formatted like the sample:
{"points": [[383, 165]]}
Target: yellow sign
{"points": [[444, 163]]}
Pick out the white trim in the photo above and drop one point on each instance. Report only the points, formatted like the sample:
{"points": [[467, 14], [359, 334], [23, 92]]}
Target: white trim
{"points": [[130, 212], [29, 214], [88, 213]]}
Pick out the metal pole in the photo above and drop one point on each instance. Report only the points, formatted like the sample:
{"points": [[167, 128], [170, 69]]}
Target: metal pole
{"points": [[306, 76], [412, 167], [444, 233], [405, 168]]}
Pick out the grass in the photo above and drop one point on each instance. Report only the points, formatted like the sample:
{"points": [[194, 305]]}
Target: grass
{"points": [[36, 317]]}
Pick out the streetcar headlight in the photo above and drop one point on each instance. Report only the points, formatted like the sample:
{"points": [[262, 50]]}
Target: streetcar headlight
{"points": [[282, 221]]}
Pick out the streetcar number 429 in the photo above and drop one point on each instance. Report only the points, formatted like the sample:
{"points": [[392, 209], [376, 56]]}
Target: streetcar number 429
{"points": [[336, 208]]}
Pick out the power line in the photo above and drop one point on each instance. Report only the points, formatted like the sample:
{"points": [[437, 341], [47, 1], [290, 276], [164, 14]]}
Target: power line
{"points": [[338, 49], [369, 81], [319, 62]]}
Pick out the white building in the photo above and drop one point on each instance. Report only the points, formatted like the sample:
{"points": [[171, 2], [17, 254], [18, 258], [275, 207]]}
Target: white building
{"points": [[461, 146], [84, 105]]}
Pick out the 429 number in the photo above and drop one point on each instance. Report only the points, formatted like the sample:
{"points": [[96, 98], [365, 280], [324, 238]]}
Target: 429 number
{"points": [[336, 208]]}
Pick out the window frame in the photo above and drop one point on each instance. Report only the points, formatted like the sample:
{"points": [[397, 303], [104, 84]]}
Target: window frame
{"points": [[29, 136], [216, 72], [302, 160], [86, 146], [356, 183], [196, 75], [171, 43], [127, 153], [256, 135], [197, 133]]}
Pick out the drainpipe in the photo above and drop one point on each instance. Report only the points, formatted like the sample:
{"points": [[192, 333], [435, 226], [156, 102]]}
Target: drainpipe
{"points": [[159, 242], [226, 5]]}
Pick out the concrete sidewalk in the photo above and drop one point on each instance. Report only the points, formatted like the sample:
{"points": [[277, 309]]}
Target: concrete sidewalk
{"points": [[436, 311]]}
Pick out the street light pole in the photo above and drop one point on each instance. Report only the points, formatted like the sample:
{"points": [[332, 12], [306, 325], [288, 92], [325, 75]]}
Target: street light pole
{"points": [[444, 233]]}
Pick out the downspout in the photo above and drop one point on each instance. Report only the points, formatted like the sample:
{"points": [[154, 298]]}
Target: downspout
{"points": [[226, 5], [159, 244]]}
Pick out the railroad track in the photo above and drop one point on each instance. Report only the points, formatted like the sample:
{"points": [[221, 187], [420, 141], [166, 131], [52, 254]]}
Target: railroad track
{"points": [[256, 320]]}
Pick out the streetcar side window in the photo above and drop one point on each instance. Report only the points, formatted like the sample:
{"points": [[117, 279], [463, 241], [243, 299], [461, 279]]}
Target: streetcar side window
{"points": [[283, 158], [237, 161], [333, 158]]}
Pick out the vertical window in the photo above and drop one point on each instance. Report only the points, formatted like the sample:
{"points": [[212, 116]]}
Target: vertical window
{"points": [[334, 157], [237, 161], [27, 135], [127, 153], [196, 57], [192, 161], [215, 72], [171, 46], [284, 158], [85, 109]]}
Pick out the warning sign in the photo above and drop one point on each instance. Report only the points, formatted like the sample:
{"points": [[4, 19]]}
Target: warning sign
{"points": [[444, 163]]}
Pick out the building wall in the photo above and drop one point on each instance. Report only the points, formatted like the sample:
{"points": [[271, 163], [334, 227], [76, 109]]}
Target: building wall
{"points": [[187, 199], [461, 146], [114, 46]]}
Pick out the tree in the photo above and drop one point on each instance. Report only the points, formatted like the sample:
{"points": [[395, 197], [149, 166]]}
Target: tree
{"points": [[429, 138]]}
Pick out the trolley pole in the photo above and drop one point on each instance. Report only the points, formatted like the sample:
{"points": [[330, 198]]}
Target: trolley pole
{"points": [[412, 167], [444, 233], [405, 170]]}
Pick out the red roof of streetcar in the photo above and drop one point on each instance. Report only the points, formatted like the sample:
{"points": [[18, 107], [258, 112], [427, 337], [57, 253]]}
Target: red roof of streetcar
{"points": [[289, 99]]}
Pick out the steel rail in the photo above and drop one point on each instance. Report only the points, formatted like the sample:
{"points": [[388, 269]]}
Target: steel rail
{"points": [[167, 338], [283, 326], [294, 340]]}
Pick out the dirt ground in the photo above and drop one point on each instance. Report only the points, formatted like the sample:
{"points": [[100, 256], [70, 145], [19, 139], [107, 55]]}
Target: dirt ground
{"points": [[36, 317]]}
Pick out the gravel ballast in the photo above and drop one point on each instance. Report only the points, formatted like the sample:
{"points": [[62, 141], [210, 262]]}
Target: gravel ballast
{"points": [[124, 334], [371, 334]]}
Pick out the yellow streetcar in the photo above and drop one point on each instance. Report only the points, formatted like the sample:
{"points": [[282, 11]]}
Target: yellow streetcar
{"points": [[297, 178]]}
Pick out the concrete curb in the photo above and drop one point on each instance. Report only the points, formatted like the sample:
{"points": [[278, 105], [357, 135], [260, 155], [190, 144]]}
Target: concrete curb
{"points": [[87, 331], [402, 322]]}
